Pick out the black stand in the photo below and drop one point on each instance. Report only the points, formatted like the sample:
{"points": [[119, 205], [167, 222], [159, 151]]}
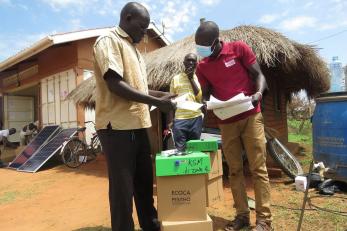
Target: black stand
{"points": [[305, 197]]}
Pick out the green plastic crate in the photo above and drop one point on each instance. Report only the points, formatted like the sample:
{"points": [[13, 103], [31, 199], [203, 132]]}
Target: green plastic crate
{"points": [[193, 163], [206, 145]]}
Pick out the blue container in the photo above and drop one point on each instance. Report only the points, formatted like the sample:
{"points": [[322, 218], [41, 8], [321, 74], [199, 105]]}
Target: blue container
{"points": [[330, 134]]}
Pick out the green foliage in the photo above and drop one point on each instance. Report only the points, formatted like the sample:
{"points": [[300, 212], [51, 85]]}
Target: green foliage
{"points": [[300, 131], [300, 138], [304, 138], [299, 126]]}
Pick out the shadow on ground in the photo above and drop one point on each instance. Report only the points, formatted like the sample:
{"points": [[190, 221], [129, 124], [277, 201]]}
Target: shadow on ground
{"points": [[219, 222], [97, 228], [95, 167]]}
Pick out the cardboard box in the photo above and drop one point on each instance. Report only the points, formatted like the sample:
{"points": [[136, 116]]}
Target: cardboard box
{"points": [[203, 225], [206, 145], [216, 164], [181, 198], [214, 191], [193, 163]]}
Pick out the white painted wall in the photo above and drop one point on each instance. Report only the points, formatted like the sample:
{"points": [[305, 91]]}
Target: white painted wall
{"points": [[55, 108]]}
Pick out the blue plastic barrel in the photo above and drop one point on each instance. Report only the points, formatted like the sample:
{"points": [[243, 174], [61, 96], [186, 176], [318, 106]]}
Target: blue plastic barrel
{"points": [[329, 125]]}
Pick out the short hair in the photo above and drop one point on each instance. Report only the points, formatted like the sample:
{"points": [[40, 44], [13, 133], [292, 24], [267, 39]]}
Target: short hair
{"points": [[31, 126], [132, 8], [208, 29], [191, 54], [12, 131]]}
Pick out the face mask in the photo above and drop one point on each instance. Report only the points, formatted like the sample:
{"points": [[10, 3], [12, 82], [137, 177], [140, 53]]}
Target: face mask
{"points": [[205, 51]]}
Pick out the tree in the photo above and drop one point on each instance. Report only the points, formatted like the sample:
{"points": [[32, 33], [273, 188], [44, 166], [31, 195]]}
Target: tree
{"points": [[300, 108]]}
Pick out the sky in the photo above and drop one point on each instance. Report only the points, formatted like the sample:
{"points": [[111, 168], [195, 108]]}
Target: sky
{"points": [[316, 22]]}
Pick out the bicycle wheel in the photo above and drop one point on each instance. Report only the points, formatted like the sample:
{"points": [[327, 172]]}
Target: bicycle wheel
{"points": [[74, 153], [288, 163], [95, 144]]}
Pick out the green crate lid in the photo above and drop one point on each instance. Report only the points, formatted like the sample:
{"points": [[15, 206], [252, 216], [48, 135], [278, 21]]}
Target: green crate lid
{"points": [[192, 163], [204, 145]]}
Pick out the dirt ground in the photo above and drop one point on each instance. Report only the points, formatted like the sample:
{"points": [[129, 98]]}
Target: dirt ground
{"points": [[59, 198]]}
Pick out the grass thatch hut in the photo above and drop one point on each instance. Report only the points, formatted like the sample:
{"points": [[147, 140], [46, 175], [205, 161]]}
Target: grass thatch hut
{"points": [[287, 65]]}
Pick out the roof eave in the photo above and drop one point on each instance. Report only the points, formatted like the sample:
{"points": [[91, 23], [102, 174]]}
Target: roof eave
{"points": [[27, 53], [160, 34], [63, 38]]}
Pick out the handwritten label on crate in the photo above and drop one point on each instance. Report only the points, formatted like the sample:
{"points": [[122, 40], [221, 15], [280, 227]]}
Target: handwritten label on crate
{"points": [[194, 166]]}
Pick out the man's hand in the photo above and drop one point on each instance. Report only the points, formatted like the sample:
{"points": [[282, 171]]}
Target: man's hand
{"points": [[256, 98], [166, 105], [190, 72], [204, 108]]}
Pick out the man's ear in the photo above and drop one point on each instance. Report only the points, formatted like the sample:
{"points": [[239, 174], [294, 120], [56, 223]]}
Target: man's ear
{"points": [[128, 17], [216, 41]]}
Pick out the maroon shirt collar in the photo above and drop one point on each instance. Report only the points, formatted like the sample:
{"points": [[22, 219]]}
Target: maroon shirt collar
{"points": [[224, 51]]}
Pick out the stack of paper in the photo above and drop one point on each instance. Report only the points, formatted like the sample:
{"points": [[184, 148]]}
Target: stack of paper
{"points": [[182, 102], [234, 106]]}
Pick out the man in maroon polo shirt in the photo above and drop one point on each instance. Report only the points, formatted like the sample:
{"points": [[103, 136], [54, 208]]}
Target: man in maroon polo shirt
{"points": [[226, 70]]}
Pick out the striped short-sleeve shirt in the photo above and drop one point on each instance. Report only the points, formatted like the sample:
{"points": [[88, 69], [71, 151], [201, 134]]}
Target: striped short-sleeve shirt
{"points": [[181, 85]]}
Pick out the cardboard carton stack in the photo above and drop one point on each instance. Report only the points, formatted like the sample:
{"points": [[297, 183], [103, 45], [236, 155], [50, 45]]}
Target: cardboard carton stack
{"points": [[181, 192], [214, 180]]}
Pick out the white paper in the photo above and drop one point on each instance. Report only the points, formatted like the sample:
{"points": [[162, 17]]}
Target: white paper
{"points": [[189, 105], [227, 112], [234, 106], [205, 136], [170, 152], [181, 98], [237, 99], [183, 103]]}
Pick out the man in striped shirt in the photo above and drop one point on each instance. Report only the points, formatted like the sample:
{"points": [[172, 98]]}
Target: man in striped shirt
{"points": [[187, 123]]}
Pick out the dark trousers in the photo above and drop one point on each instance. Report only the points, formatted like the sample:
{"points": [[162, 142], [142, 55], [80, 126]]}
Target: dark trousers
{"points": [[130, 174], [185, 130]]}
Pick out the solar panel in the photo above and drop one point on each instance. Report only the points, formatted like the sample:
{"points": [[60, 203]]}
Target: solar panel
{"points": [[44, 135], [47, 151]]}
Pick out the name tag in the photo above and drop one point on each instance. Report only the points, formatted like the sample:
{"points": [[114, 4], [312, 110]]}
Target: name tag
{"points": [[230, 63]]}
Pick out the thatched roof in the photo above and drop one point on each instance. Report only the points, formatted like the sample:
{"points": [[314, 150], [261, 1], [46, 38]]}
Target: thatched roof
{"points": [[297, 66], [84, 93]]}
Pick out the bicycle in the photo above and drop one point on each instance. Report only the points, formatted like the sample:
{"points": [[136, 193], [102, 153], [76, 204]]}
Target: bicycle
{"points": [[75, 151]]}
